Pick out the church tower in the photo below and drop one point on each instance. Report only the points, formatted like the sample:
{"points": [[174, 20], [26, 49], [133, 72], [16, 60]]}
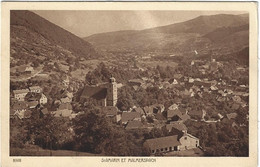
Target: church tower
{"points": [[112, 92]]}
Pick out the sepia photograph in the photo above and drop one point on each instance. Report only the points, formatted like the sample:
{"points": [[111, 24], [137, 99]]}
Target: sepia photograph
{"points": [[129, 83]]}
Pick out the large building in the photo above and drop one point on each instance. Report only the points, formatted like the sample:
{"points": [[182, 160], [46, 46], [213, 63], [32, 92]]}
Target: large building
{"points": [[171, 143], [104, 95]]}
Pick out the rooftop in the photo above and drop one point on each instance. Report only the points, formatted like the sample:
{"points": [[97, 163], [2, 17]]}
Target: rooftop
{"points": [[128, 116], [21, 91], [94, 92], [134, 124], [163, 142]]}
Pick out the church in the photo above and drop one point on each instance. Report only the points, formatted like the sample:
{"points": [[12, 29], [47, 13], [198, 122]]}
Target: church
{"points": [[104, 95]]}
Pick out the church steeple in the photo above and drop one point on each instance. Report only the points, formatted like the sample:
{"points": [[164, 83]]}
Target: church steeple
{"points": [[112, 92]]}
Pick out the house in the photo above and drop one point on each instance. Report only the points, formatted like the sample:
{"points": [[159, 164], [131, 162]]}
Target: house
{"points": [[65, 100], [135, 124], [159, 116], [173, 81], [157, 108], [148, 110], [43, 99], [35, 89], [19, 109], [104, 95], [188, 142], [24, 69], [174, 115], [162, 144], [64, 110], [129, 116], [20, 94], [179, 126], [135, 82], [173, 107]]}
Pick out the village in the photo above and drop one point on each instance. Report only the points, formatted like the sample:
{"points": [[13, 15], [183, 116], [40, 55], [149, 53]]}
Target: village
{"points": [[219, 98]]}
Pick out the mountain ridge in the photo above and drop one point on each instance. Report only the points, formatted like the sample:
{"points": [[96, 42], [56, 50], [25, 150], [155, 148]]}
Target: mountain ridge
{"points": [[177, 37], [51, 32]]}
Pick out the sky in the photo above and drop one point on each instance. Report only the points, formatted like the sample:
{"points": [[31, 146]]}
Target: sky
{"points": [[86, 23]]}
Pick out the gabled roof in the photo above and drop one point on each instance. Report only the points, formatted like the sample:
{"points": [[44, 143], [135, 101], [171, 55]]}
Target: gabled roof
{"points": [[94, 92], [35, 88], [21, 91], [32, 96], [20, 105], [176, 125], [128, 116], [148, 110], [159, 116], [191, 136], [185, 117], [136, 81], [171, 113], [162, 142], [134, 124]]}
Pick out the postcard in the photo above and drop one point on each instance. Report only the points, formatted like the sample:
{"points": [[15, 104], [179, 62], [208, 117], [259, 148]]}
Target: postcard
{"points": [[129, 84]]}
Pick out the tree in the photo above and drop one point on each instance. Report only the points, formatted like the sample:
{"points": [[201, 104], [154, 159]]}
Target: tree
{"points": [[96, 134], [47, 132]]}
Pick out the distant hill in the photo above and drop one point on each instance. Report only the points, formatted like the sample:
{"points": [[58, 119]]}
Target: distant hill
{"points": [[215, 31], [32, 35]]}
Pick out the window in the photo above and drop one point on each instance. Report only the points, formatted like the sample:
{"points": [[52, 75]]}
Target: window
{"points": [[161, 149], [166, 149], [185, 138], [152, 151], [170, 148]]}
